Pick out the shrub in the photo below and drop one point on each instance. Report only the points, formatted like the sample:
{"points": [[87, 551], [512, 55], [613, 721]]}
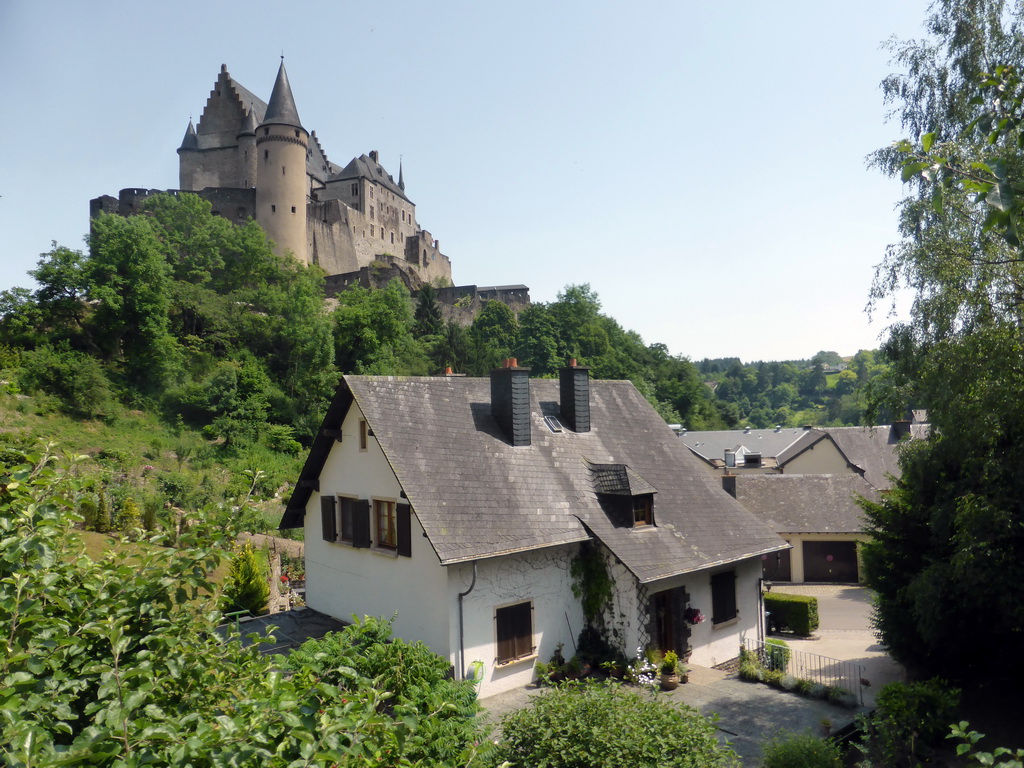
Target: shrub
{"points": [[911, 719], [247, 588], [800, 750], [419, 681], [777, 654], [75, 378], [631, 729], [792, 613]]}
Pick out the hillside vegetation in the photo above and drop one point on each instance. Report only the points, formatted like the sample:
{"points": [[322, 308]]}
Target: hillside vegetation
{"points": [[193, 365]]}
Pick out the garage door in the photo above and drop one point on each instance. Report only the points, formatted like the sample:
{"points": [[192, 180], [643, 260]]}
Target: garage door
{"points": [[775, 566], [830, 561]]}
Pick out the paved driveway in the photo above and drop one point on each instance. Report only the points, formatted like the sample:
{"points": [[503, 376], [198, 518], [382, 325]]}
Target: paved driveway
{"points": [[749, 714], [845, 633]]}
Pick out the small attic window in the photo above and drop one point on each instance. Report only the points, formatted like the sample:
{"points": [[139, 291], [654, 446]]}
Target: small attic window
{"points": [[643, 510], [553, 424], [752, 460]]}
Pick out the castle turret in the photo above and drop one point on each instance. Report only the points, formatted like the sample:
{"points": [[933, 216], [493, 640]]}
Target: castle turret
{"points": [[189, 146], [247, 149], [281, 183], [401, 176]]}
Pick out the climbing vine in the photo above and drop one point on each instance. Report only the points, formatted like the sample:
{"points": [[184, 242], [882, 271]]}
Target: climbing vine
{"points": [[592, 585]]}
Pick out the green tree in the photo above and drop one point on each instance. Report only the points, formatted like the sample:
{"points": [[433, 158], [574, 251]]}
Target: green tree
{"points": [[129, 281], [492, 337], [943, 538], [429, 321]]}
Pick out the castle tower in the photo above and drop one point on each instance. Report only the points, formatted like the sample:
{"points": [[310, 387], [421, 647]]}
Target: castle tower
{"points": [[281, 184], [189, 146], [247, 152]]}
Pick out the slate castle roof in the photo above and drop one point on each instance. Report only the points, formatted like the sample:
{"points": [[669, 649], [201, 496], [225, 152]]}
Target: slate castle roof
{"points": [[477, 496]]}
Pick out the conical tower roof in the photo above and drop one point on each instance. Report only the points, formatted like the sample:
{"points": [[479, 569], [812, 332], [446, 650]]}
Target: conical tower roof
{"points": [[248, 123], [190, 141], [281, 109], [401, 176]]}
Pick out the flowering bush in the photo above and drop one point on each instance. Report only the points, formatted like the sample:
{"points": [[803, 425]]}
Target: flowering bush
{"points": [[642, 670], [693, 616]]}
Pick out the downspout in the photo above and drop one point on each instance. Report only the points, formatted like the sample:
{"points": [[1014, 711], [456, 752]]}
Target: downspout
{"points": [[462, 649]]}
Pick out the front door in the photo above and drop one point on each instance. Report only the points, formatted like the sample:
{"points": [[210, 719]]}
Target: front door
{"points": [[670, 631]]}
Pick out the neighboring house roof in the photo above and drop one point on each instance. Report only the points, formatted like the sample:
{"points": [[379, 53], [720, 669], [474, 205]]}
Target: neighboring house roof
{"points": [[773, 444], [806, 503], [477, 496], [873, 450]]}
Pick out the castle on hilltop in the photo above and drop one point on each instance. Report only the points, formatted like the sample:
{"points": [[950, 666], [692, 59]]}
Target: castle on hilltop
{"points": [[251, 158]]}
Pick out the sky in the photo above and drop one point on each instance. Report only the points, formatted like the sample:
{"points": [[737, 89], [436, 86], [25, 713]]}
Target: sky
{"points": [[701, 165]]}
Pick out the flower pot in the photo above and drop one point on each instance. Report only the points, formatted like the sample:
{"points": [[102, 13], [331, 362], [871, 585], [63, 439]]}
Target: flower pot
{"points": [[669, 682]]}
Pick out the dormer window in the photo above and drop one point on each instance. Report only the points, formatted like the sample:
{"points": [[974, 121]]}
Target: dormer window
{"points": [[643, 510]]}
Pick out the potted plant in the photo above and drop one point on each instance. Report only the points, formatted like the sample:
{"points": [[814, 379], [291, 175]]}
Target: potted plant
{"points": [[669, 671], [826, 727]]}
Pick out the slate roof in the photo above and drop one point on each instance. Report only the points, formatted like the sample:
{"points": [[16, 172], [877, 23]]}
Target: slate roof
{"points": [[770, 443], [364, 167], [806, 503], [873, 450], [282, 110], [477, 496]]}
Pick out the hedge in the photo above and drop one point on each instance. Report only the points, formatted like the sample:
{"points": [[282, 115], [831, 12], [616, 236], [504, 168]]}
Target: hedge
{"points": [[792, 613]]}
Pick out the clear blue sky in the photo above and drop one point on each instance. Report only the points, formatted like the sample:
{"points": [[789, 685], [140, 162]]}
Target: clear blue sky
{"points": [[701, 165]]}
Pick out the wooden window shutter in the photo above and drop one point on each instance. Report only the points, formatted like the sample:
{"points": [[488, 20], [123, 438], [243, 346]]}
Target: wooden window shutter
{"points": [[328, 519], [514, 631], [403, 522], [361, 523], [723, 597]]}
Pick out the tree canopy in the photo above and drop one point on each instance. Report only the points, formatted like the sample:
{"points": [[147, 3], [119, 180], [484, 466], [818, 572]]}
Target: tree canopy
{"points": [[946, 540]]}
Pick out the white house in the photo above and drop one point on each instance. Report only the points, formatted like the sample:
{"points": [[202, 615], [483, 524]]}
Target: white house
{"points": [[460, 503]]}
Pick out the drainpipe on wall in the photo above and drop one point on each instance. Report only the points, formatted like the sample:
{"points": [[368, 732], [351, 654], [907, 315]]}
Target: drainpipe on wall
{"points": [[462, 649]]}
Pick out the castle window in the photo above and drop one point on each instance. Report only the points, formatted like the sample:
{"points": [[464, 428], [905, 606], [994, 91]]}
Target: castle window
{"points": [[266, 131], [297, 136], [371, 230], [273, 209], [371, 212], [282, 170], [392, 237], [293, 209], [355, 189], [266, 154]]}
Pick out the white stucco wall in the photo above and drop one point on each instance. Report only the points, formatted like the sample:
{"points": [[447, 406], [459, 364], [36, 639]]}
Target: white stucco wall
{"points": [[342, 581], [541, 576], [716, 644]]}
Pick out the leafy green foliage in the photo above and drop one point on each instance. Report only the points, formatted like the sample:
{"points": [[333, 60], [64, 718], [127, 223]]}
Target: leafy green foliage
{"points": [[590, 724], [792, 613], [971, 738], [417, 683], [114, 664], [800, 750], [911, 720]]}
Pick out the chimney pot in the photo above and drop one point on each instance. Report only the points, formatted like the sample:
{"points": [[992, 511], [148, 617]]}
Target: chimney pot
{"points": [[448, 371], [572, 362]]}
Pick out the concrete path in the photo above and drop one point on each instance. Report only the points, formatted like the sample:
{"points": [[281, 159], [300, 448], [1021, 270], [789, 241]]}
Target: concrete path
{"points": [[749, 713]]}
